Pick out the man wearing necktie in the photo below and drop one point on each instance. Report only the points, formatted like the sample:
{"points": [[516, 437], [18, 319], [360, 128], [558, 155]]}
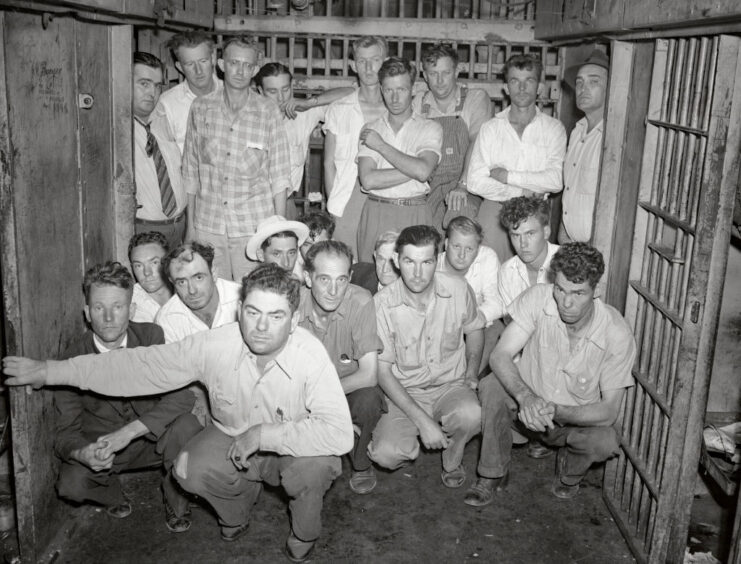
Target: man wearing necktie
{"points": [[160, 197]]}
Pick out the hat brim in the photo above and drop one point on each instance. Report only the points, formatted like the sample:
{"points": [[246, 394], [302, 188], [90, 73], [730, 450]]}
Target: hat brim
{"points": [[256, 241]]}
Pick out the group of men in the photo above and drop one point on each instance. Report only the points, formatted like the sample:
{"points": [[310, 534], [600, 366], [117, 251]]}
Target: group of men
{"points": [[260, 349]]}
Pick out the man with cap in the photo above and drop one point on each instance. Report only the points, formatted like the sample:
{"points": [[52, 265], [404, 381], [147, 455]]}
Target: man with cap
{"points": [[277, 240], [581, 167]]}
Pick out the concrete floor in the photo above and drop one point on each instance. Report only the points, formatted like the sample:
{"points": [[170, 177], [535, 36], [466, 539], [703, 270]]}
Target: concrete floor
{"points": [[410, 517]]}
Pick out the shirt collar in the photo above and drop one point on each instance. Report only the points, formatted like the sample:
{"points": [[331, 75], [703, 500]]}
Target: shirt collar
{"points": [[399, 294], [306, 306], [104, 349]]}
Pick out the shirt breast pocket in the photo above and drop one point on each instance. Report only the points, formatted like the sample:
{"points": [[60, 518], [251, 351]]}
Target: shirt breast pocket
{"points": [[450, 342], [407, 351], [252, 159]]}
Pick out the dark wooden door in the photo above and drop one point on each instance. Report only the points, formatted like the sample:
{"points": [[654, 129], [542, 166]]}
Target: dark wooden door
{"points": [[66, 201]]}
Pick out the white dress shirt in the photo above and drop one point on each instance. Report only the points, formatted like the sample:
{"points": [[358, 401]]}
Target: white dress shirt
{"points": [[534, 162], [581, 176]]}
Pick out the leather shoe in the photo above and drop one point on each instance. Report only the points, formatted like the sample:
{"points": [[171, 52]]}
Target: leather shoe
{"points": [[558, 488], [363, 481], [482, 492], [174, 523], [454, 478], [298, 550], [537, 450], [230, 534], [120, 511]]}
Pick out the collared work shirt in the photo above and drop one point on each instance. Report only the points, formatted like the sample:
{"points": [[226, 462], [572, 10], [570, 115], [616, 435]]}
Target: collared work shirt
{"points": [[344, 119], [178, 320], [148, 194], [601, 361], [416, 136], [298, 399], [351, 331], [174, 104], [513, 277], [581, 177], [298, 131], [482, 277], [534, 162], [426, 348], [235, 165], [475, 112], [146, 306]]}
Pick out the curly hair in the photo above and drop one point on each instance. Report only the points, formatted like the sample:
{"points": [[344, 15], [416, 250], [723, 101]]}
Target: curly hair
{"points": [[109, 273], [318, 221], [272, 278], [579, 263], [516, 210], [418, 236], [186, 252], [336, 248], [148, 238]]}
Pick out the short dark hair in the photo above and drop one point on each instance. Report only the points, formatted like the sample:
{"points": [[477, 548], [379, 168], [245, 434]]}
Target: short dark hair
{"points": [[272, 278], [337, 248], [109, 273], [434, 53], [318, 221], [185, 252], [516, 210], [147, 238], [279, 235], [418, 236], [465, 225], [579, 263], [148, 60], [271, 69], [369, 41], [523, 62], [241, 41], [192, 38], [397, 66]]}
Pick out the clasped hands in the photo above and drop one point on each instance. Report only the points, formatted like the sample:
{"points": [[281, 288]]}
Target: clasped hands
{"points": [[536, 413]]}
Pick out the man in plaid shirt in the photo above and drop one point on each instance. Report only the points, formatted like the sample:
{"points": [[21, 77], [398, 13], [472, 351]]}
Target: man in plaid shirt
{"points": [[236, 162]]}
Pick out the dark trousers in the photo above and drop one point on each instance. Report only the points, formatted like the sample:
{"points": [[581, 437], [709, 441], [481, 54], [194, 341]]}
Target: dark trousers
{"points": [[584, 445], [366, 407], [79, 483], [174, 232], [232, 492]]}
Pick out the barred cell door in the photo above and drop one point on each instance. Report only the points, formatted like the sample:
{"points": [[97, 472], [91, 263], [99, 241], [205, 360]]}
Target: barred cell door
{"points": [[679, 253]]}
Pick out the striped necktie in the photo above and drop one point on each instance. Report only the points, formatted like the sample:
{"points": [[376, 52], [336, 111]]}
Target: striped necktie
{"points": [[167, 196]]}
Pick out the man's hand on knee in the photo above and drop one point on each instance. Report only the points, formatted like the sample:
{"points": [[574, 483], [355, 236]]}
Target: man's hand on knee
{"points": [[244, 446], [432, 435]]}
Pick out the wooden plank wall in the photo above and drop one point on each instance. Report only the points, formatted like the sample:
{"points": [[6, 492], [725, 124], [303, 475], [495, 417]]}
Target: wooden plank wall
{"points": [[66, 202], [44, 253]]}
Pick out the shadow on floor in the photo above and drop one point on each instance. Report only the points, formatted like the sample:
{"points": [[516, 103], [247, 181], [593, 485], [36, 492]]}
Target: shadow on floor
{"points": [[410, 517]]}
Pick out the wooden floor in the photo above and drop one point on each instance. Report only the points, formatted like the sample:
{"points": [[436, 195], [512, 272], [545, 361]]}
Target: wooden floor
{"points": [[410, 517]]}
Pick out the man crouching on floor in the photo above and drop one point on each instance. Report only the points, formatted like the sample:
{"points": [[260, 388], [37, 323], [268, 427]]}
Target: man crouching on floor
{"points": [[99, 437], [567, 389], [279, 412]]}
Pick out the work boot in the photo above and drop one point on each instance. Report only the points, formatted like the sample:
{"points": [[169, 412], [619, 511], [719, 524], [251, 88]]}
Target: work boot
{"points": [[298, 550], [559, 488], [482, 492]]}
